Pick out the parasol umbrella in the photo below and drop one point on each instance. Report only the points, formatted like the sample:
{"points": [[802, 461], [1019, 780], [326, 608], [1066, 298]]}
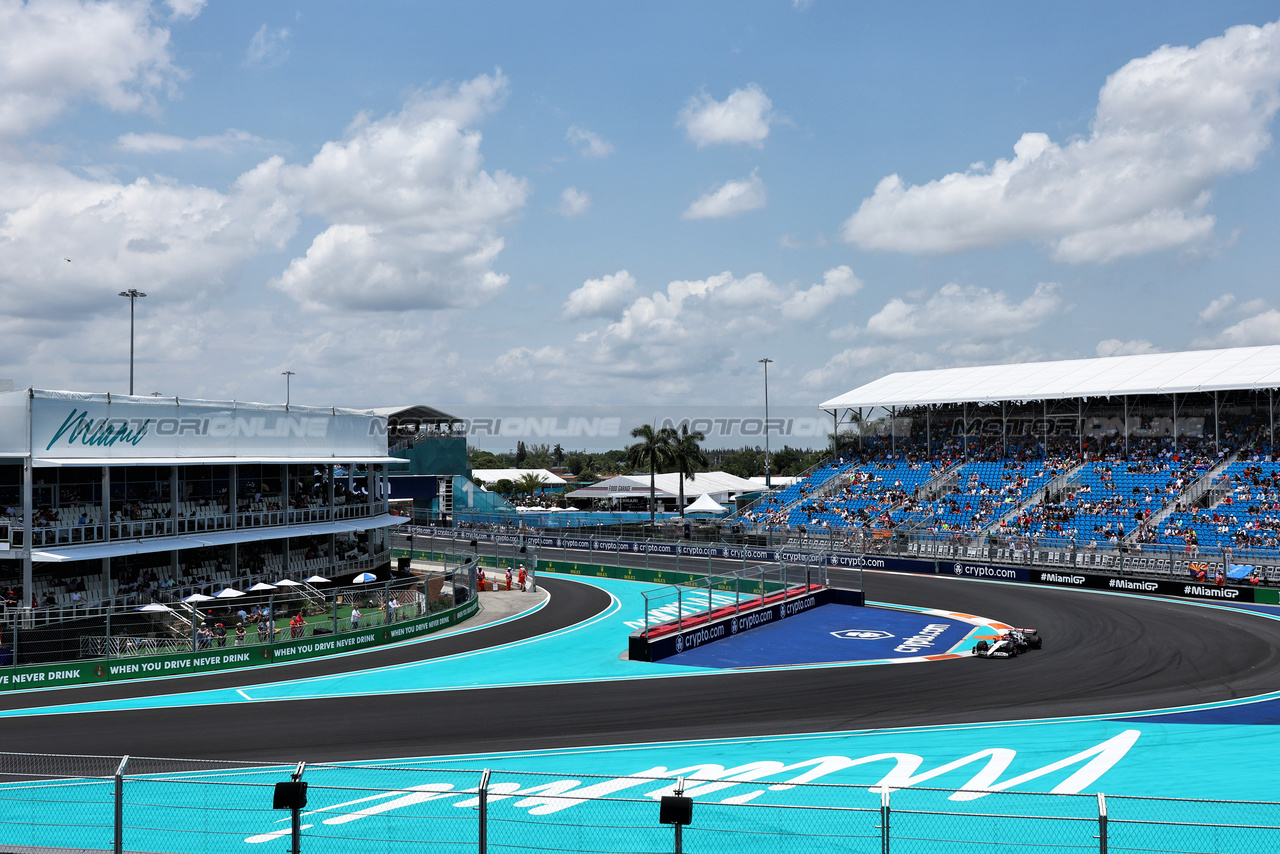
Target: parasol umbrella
{"points": [[228, 593], [317, 579], [261, 587], [155, 607], [288, 582], [364, 577], [197, 597]]}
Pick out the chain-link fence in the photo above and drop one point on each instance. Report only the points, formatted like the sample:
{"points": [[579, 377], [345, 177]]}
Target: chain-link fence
{"points": [[168, 805]]}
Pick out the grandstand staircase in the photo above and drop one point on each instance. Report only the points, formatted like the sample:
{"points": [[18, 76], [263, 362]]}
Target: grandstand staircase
{"points": [[939, 484], [824, 488], [446, 497], [1187, 497], [832, 484], [1056, 485]]}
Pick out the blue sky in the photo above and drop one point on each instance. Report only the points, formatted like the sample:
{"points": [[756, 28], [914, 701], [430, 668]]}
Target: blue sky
{"points": [[585, 203]]}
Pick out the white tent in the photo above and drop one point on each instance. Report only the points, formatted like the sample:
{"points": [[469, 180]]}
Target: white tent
{"points": [[722, 486], [705, 504]]}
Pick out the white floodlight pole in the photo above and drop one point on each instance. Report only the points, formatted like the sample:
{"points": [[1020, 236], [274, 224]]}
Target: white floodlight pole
{"points": [[134, 295], [768, 482]]}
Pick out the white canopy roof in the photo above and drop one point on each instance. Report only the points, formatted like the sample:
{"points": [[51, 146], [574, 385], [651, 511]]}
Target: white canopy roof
{"points": [[667, 486], [705, 504], [1235, 369]]}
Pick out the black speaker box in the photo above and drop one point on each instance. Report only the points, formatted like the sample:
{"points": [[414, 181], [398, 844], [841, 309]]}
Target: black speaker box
{"points": [[290, 796], [673, 810]]}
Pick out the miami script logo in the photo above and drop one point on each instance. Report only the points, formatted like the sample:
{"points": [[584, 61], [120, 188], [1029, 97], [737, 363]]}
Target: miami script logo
{"points": [[102, 433], [737, 785]]}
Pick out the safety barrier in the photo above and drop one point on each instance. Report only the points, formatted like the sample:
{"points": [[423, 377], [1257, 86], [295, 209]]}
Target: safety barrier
{"points": [[630, 559]]}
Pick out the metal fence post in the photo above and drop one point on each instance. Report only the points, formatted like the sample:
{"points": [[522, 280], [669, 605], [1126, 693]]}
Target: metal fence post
{"points": [[1102, 823], [295, 813], [118, 842], [483, 835], [884, 820]]}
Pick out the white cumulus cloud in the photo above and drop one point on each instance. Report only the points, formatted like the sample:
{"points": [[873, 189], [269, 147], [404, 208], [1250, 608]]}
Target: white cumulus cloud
{"points": [[182, 241], [1216, 308], [729, 199], [603, 297], [413, 216], [55, 52], [588, 144], [574, 202], [1134, 347], [743, 118], [1166, 127], [965, 312], [152, 143], [269, 47], [838, 284], [690, 329], [185, 8], [1257, 329]]}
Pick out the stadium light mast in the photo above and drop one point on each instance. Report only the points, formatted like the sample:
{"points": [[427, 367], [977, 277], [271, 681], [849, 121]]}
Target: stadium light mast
{"points": [[288, 375], [134, 295], [768, 482]]}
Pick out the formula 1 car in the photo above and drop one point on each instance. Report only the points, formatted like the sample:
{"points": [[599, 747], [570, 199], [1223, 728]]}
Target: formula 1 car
{"points": [[1027, 639], [1011, 644]]}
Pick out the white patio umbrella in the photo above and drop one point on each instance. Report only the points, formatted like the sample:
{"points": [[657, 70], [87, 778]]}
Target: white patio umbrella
{"points": [[197, 597], [317, 579], [155, 607], [364, 577], [261, 587], [228, 593], [288, 582]]}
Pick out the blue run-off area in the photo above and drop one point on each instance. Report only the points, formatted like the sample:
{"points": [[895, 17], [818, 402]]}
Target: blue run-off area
{"points": [[834, 633]]}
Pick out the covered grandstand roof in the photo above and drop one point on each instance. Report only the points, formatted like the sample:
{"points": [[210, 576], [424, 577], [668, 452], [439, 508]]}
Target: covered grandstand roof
{"points": [[1235, 369], [414, 412]]}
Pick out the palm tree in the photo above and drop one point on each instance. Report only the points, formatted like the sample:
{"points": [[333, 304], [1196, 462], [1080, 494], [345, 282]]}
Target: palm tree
{"points": [[529, 482], [687, 456], [653, 450]]}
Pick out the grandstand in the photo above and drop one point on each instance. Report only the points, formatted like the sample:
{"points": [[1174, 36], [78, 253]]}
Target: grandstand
{"points": [[1161, 453], [112, 501]]}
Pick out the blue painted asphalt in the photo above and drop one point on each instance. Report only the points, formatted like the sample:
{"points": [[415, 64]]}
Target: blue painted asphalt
{"points": [[833, 633]]}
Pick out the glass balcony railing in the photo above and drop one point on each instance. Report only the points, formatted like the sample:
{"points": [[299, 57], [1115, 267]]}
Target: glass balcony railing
{"points": [[50, 534]]}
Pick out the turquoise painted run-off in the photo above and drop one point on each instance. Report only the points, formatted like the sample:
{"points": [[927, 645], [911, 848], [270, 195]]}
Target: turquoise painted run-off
{"points": [[594, 800]]}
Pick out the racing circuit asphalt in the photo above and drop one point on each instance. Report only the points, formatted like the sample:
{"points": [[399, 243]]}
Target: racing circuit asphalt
{"points": [[1104, 654]]}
